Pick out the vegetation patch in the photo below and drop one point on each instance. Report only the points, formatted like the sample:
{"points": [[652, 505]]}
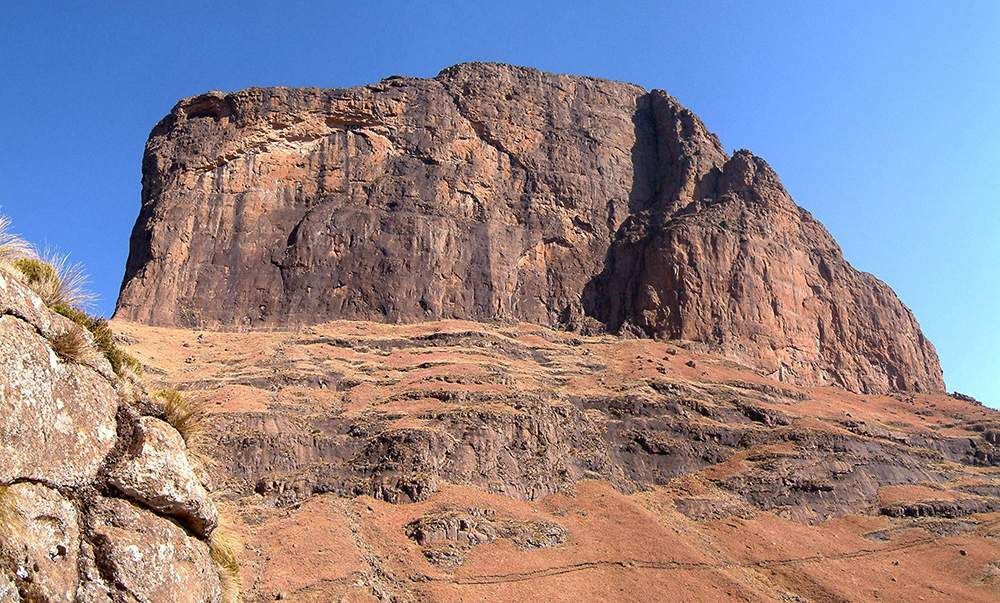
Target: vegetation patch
{"points": [[104, 339], [224, 546], [12, 247], [62, 287], [71, 345], [54, 279], [186, 415], [11, 523]]}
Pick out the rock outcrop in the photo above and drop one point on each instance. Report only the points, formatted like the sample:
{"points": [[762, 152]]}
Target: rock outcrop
{"points": [[90, 490], [499, 193]]}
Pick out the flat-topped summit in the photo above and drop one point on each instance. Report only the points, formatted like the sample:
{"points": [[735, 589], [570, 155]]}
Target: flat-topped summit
{"points": [[501, 193]]}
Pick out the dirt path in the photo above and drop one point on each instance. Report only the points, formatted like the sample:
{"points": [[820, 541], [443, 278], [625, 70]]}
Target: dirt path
{"points": [[676, 565]]}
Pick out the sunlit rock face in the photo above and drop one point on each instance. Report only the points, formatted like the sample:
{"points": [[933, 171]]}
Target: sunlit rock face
{"points": [[500, 193], [93, 494]]}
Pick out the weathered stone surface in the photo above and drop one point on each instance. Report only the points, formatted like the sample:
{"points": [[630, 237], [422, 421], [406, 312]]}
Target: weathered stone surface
{"points": [[93, 588], [63, 424], [19, 301], [157, 473], [742, 267], [447, 536], [149, 557], [499, 193], [57, 419], [39, 542]]}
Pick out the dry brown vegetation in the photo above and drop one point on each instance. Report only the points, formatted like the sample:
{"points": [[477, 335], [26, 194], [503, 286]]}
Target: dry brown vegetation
{"points": [[71, 345], [62, 287], [12, 246], [186, 415], [56, 280], [224, 545], [11, 522], [104, 339]]}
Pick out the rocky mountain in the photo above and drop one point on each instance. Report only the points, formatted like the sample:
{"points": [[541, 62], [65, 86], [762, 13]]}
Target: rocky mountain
{"points": [[98, 499], [501, 194], [629, 367]]}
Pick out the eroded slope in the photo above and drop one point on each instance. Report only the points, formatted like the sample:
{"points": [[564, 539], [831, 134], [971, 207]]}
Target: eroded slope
{"points": [[457, 461]]}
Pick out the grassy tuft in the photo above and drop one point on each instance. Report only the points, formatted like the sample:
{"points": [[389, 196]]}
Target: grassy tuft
{"points": [[224, 546], [12, 247], [104, 339], [57, 281], [187, 416], [71, 345], [62, 286]]}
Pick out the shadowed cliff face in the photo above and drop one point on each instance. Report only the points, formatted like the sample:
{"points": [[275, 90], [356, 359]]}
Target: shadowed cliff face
{"points": [[497, 193]]}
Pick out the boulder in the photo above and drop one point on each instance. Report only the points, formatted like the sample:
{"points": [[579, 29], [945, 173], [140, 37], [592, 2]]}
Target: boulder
{"points": [[57, 419], [149, 557], [39, 543], [156, 472]]}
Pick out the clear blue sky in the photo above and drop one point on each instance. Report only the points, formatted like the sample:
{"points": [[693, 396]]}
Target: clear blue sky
{"points": [[882, 118]]}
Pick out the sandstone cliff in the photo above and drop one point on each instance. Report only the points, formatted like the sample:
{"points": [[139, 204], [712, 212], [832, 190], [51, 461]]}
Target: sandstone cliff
{"points": [[97, 501], [498, 193]]}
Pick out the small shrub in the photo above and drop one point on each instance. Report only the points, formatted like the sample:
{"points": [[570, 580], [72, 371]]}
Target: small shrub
{"points": [[187, 416], [104, 339], [12, 247], [55, 280], [71, 345], [224, 546]]}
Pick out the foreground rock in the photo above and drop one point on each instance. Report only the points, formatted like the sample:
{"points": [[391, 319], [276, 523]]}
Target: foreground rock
{"points": [[498, 193], [149, 557], [461, 461], [64, 428], [158, 475]]}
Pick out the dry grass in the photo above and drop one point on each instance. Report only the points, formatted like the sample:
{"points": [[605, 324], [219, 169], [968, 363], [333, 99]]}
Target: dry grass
{"points": [[56, 280], [104, 339], [224, 545], [12, 247], [71, 345], [62, 286], [11, 522], [186, 415]]}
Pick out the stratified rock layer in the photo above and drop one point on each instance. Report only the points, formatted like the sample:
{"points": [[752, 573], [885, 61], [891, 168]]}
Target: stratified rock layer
{"points": [[498, 193], [462, 461]]}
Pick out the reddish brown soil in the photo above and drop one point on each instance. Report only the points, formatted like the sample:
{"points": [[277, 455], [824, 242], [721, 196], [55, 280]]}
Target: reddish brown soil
{"points": [[691, 536]]}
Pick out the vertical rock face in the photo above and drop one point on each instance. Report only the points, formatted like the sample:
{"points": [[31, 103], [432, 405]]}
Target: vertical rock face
{"points": [[494, 192], [74, 451]]}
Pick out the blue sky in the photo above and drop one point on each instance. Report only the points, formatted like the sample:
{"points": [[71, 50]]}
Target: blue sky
{"points": [[882, 118]]}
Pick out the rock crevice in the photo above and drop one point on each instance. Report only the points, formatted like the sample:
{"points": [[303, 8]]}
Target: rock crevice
{"points": [[67, 431]]}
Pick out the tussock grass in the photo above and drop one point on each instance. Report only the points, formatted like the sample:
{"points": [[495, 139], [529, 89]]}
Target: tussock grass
{"points": [[121, 361], [56, 280], [224, 546], [62, 286], [12, 247], [187, 416], [71, 345]]}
